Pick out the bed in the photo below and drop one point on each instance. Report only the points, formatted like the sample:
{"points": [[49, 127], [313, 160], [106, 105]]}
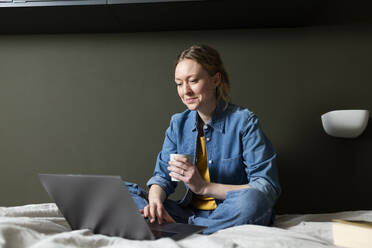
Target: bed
{"points": [[42, 225]]}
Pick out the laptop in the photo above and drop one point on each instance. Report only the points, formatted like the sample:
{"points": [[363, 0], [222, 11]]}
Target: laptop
{"points": [[104, 205]]}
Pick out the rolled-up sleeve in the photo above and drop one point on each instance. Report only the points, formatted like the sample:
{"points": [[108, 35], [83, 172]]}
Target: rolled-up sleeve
{"points": [[161, 174], [259, 158]]}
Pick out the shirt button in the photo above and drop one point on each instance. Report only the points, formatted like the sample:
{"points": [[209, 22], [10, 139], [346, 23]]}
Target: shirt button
{"points": [[210, 161], [205, 127], [208, 139]]}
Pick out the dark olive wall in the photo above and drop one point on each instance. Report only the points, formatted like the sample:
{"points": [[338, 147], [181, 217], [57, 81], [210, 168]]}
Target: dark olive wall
{"points": [[100, 104]]}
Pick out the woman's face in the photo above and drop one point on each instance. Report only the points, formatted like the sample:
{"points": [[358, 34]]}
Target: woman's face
{"points": [[196, 88]]}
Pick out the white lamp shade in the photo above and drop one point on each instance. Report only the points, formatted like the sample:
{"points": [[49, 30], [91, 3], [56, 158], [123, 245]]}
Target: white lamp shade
{"points": [[345, 123]]}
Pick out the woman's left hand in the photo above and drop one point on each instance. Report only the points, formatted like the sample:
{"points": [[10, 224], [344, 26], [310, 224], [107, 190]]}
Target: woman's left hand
{"points": [[180, 168]]}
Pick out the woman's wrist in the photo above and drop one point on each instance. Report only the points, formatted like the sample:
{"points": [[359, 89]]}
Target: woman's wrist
{"points": [[156, 194], [205, 189], [218, 191]]}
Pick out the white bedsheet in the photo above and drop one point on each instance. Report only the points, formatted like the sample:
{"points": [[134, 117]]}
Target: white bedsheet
{"points": [[42, 225]]}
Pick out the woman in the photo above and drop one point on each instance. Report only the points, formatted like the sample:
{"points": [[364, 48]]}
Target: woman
{"points": [[233, 180]]}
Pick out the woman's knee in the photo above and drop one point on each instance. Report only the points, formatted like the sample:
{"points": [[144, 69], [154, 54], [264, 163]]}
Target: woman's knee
{"points": [[134, 188], [138, 194], [251, 205]]}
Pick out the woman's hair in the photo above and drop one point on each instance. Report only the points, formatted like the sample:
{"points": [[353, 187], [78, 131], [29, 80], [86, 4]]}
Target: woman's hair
{"points": [[210, 60]]}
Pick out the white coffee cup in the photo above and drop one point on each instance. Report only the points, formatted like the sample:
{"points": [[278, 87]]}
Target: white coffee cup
{"points": [[189, 157]]}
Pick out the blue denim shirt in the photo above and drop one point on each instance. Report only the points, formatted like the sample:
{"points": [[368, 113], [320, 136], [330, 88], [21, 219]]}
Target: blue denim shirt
{"points": [[238, 152]]}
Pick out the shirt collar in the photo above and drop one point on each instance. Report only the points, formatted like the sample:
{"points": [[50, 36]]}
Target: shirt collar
{"points": [[217, 121]]}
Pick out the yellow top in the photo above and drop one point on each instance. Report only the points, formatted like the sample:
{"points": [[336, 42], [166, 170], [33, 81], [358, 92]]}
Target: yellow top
{"points": [[199, 201]]}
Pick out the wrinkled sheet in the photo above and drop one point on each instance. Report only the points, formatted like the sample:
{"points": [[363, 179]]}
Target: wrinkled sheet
{"points": [[42, 225]]}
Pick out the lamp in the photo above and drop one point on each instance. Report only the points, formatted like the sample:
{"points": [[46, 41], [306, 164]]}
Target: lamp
{"points": [[345, 123]]}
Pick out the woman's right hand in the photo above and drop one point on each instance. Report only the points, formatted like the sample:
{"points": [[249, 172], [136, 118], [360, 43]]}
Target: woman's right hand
{"points": [[156, 211]]}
